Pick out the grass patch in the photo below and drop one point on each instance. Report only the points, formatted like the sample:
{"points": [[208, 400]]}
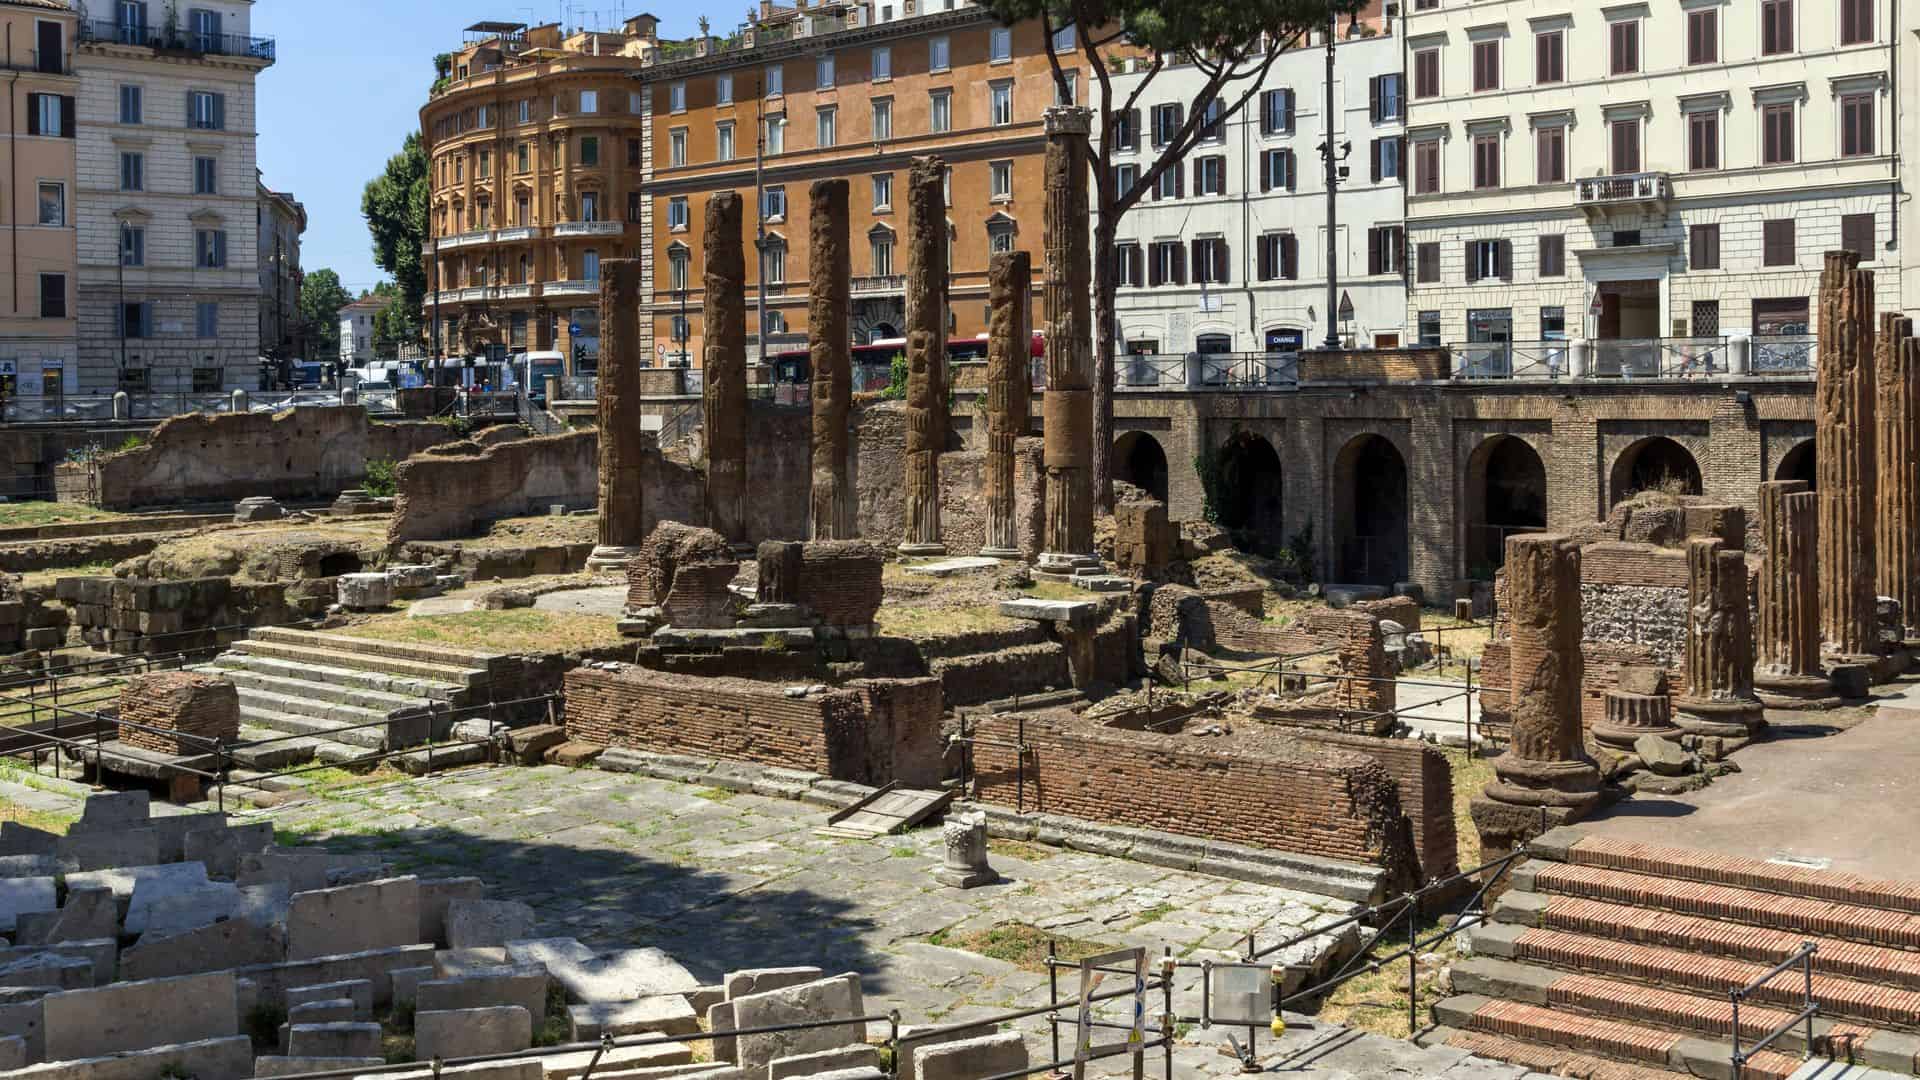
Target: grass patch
{"points": [[1471, 774], [515, 630], [1377, 1000], [713, 794], [1019, 944], [1021, 849], [1153, 914], [28, 514], [908, 621]]}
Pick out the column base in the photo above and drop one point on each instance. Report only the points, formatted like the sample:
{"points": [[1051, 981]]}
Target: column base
{"points": [[612, 557], [1795, 691], [1735, 719], [1623, 738], [1573, 786], [921, 551], [1014, 554], [965, 879]]}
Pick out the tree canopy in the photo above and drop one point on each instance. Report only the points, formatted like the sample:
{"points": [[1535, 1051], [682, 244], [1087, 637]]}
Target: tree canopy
{"points": [[321, 298], [395, 206]]}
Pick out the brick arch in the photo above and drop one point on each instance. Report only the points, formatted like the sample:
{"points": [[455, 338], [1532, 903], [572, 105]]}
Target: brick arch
{"points": [[1371, 524], [1140, 460], [1651, 460], [1505, 491], [1253, 489], [1798, 464]]}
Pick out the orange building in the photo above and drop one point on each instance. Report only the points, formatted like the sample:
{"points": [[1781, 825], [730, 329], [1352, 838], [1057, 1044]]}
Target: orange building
{"points": [[37, 235]]}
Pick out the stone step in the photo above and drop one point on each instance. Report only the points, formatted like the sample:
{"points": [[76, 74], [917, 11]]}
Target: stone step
{"points": [[267, 781], [443, 757], [284, 697], [1682, 970], [1548, 1060], [1728, 903], [394, 665], [325, 680], [328, 730], [445, 656], [1757, 875], [281, 753], [1646, 1048], [1644, 926]]}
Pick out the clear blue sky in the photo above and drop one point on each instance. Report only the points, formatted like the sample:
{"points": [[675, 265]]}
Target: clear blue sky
{"points": [[348, 84]]}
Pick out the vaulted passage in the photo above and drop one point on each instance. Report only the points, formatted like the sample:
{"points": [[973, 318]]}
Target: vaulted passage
{"points": [[1798, 465], [1654, 464], [1139, 460], [1506, 494], [1249, 493], [1370, 513]]}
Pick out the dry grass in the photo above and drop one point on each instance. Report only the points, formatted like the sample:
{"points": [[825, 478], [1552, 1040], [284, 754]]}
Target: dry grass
{"points": [[517, 630], [1471, 774], [84, 693], [538, 531], [16, 515], [917, 623], [1019, 944], [1376, 1001]]}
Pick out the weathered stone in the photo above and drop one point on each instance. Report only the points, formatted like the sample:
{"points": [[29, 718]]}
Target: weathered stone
{"points": [[1844, 456], [231, 943], [143, 885], [109, 848], [14, 866], [1663, 756], [341, 1038], [1068, 403], [88, 914], [330, 1010], [354, 918], [437, 894], [1896, 374], [1719, 698], [274, 1065], [456, 963], [358, 991], [968, 1059], [365, 592], [623, 445], [258, 508], [117, 808], [177, 911], [137, 1015], [617, 976], [829, 299], [926, 354], [406, 983], [300, 869], [825, 999], [1787, 671], [21, 1017], [19, 896], [525, 986], [747, 981], [472, 923], [723, 310], [213, 1059], [964, 837], [1009, 392], [500, 1029], [221, 848], [1631, 717], [826, 1062], [61, 970], [666, 1014]]}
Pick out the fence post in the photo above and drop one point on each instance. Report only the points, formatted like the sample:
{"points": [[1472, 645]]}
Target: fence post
{"points": [[220, 771], [1413, 965], [1053, 999], [893, 1032], [1812, 1007]]}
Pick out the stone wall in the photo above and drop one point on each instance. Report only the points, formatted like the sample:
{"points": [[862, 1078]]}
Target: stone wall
{"points": [[307, 452], [1375, 365], [868, 731], [135, 615], [878, 461], [1426, 793], [442, 497]]}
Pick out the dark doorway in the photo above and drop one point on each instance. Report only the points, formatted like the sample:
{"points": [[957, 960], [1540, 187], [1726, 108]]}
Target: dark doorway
{"points": [[1370, 513], [1507, 495], [1249, 493], [1655, 464], [1140, 461], [1799, 465]]}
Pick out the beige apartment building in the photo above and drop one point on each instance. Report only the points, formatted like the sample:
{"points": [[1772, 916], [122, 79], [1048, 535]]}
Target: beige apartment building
{"points": [[37, 325]]}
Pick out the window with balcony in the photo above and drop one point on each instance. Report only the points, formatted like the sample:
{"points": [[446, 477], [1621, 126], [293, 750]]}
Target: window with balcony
{"points": [[52, 204], [1386, 247], [1703, 36], [938, 53], [677, 213], [1703, 247], [940, 111], [206, 176], [1550, 154], [1486, 161], [1776, 27], [1553, 255], [1276, 257], [1426, 167], [1623, 140], [723, 141], [881, 60], [1000, 45], [723, 89], [133, 172], [589, 206], [677, 146], [130, 104], [1623, 46], [1486, 65], [1778, 243], [1776, 134], [1000, 179], [1703, 140], [882, 119], [1276, 113], [1857, 235], [1169, 263], [1426, 73], [773, 204], [133, 245], [1856, 125], [1856, 22], [590, 100], [1549, 57], [1210, 175], [1000, 100], [776, 80], [1426, 269], [883, 191], [826, 125]]}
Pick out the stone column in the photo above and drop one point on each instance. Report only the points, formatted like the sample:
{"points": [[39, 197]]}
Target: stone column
{"points": [[1638, 707], [723, 313], [1545, 778], [1844, 456], [829, 299], [1896, 377], [926, 353], [1787, 674], [1719, 700], [1067, 547], [622, 443], [1009, 393]]}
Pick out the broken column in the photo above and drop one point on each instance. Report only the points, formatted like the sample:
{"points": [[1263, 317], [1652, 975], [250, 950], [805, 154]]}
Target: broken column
{"points": [[723, 311], [1719, 700], [1067, 547], [926, 353], [1787, 672], [1009, 393], [1544, 779], [829, 296], [618, 394], [1637, 707], [1896, 376], [965, 840], [1844, 458]]}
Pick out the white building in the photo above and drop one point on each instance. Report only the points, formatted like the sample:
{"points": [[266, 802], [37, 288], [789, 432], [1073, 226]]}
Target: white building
{"points": [[1640, 173], [356, 330], [167, 203], [1228, 254]]}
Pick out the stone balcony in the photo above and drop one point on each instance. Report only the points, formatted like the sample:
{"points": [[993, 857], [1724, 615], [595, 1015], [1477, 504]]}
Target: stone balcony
{"points": [[589, 228], [1626, 193], [879, 285]]}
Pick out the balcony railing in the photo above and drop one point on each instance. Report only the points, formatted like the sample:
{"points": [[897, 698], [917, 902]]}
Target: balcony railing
{"points": [[514, 292], [466, 239], [1626, 190], [570, 288], [178, 38], [1512, 359], [879, 283], [1784, 354], [1207, 371], [589, 228], [516, 234], [1787, 356]]}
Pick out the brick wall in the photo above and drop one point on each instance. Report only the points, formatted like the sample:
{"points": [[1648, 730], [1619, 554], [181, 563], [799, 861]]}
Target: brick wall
{"points": [[1374, 365], [868, 732], [840, 581], [1426, 793]]}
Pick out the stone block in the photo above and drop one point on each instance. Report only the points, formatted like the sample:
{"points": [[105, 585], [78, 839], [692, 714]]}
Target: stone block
{"points": [[58, 970], [909, 1050], [365, 592], [824, 999], [329, 1011], [354, 918], [436, 894], [117, 808], [220, 849], [830, 1062], [375, 966], [230, 943], [13, 1052], [266, 905], [487, 923], [760, 980], [720, 1019], [617, 976], [500, 1029], [358, 991], [22, 1017], [523, 986], [969, 1059], [227, 1058], [521, 1069], [142, 1014], [301, 870], [406, 983], [530, 743], [12, 866], [153, 882], [101, 953], [89, 913], [275, 1065], [109, 848], [665, 1014], [172, 912], [342, 1038], [18, 839], [19, 896]]}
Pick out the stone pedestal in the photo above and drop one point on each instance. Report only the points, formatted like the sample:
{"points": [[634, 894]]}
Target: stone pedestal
{"points": [[965, 867], [1640, 706], [1787, 672], [258, 508], [1009, 393], [622, 443], [926, 354], [829, 297], [1068, 402], [1719, 700], [1844, 456], [365, 592], [723, 310], [1544, 779]]}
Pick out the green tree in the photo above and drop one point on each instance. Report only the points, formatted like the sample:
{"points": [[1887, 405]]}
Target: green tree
{"points": [[393, 325], [321, 298], [1231, 43], [395, 206]]}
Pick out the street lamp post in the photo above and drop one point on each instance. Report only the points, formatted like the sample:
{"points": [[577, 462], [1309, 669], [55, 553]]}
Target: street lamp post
{"points": [[1333, 157]]}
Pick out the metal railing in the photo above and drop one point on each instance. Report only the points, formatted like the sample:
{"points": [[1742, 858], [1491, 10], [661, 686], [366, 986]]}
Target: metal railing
{"points": [[1809, 1008], [1784, 354], [1660, 358], [96, 407], [1548, 359], [184, 39], [1212, 371], [1621, 188]]}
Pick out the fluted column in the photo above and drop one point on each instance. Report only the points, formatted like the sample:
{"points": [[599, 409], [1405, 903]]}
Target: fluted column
{"points": [[829, 298], [1787, 672], [622, 443], [1719, 698], [1844, 458], [1896, 376], [926, 354], [1068, 404], [723, 312], [1009, 393]]}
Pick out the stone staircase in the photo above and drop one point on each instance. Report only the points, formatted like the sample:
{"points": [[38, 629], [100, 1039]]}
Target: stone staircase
{"points": [[1608, 958], [347, 696]]}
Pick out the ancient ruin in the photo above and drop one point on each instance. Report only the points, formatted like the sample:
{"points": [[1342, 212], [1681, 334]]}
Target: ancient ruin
{"points": [[1719, 701], [1896, 403], [1009, 394], [1845, 433], [622, 494], [829, 284], [1787, 672], [1068, 544], [926, 354], [723, 306]]}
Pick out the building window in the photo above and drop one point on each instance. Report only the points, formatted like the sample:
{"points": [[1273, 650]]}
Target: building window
{"points": [[1210, 175], [522, 160], [1426, 73], [883, 191], [1856, 125], [1489, 259], [1064, 39], [589, 206], [1126, 265], [1624, 138], [1067, 90], [1426, 166], [53, 296], [880, 245], [940, 111], [677, 146], [1277, 257], [825, 125], [1486, 161], [590, 150], [633, 207], [1384, 98], [1001, 179], [723, 89], [882, 62], [526, 110], [1426, 268], [823, 71], [1210, 261], [1776, 134], [677, 213], [677, 262], [1276, 113], [53, 204], [937, 53], [882, 119], [206, 111], [999, 237], [1553, 255], [1553, 324], [50, 114], [1703, 140], [1169, 184], [1276, 170], [1213, 122], [1166, 124], [206, 176], [723, 141], [1000, 97], [590, 99], [1125, 176], [1706, 318], [1386, 246], [1000, 45], [776, 132], [1486, 65], [1856, 235], [774, 206], [136, 320], [1429, 328], [1703, 36], [1550, 155], [1126, 129], [633, 153], [1169, 266], [1776, 27], [1856, 22], [130, 105], [776, 80], [1703, 247], [590, 265], [485, 167], [1550, 57], [1623, 46], [773, 265], [1777, 243], [1384, 157], [207, 319], [133, 172]]}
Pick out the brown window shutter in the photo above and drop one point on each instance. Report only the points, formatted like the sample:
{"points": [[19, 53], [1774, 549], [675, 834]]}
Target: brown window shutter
{"points": [[1179, 181], [1133, 129], [1266, 171], [1288, 115], [1199, 259], [1293, 173], [1179, 265], [1260, 260], [1373, 251], [1373, 153], [1473, 269], [1153, 270], [1503, 260], [1373, 100], [1221, 270], [1289, 256]]}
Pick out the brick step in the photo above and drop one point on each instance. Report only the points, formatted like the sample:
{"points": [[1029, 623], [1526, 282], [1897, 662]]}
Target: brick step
{"points": [[363, 661], [1647, 926], [1597, 1037], [1826, 918], [1551, 1060], [446, 656], [325, 681], [1687, 864], [1678, 969], [329, 730]]}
